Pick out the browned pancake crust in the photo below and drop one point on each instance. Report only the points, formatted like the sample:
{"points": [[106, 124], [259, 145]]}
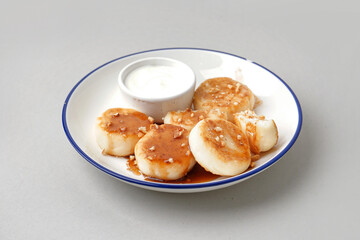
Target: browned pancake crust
{"points": [[213, 137], [224, 94], [128, 122], [189, 118]]}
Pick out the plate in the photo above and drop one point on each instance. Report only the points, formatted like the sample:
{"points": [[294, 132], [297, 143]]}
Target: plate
{"points": [[99, 90]]}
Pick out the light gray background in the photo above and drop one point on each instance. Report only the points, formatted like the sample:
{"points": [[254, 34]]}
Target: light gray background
{"points": [[49, 192]]}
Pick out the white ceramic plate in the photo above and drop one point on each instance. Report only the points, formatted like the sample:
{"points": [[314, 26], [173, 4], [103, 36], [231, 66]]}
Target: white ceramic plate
{"points": [[99, 90]]}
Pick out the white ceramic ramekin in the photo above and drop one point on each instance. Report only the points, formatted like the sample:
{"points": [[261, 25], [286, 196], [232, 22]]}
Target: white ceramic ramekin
{"points": [[159, 106]]}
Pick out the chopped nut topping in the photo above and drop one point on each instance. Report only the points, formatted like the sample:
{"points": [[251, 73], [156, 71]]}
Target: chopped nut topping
{"points": [[170, 160], [178, 133], [222, 143], [123, 129], [132, 157], [151, 120], [230, 86], [179, 120], [211, 90], [116, 114], [201, 117], [217, 138], [222, 93], [152, 148], [236, 103], [192, 115], [183, 145], [237, 87], [108, 124], [150, 158], [142, 129], [152, 126], [218, 129], [140, 134], [221, 136], [187, 153], [239, 137]]}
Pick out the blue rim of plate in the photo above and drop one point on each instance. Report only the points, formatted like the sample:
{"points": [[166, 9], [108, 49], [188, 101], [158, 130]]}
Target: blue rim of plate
{"points": [[180, 186]]}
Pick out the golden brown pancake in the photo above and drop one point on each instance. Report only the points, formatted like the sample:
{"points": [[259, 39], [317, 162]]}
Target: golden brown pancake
{"points": [[220, 147], [119, 129], [225, 94], [164, 152], [189, 118]]}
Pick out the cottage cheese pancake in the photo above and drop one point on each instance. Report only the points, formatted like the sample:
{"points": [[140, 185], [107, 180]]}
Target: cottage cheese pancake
{"points": [[225, 94], [261, 133], [119, 129], [220, 147], [164, 152]]}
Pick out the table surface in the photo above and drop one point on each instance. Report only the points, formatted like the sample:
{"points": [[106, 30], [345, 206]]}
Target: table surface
{"points": [[48, 191]]}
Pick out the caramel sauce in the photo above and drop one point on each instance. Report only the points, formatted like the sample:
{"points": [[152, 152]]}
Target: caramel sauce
{"points": [[167, 142], [197, 175], [125, 121], [132, 167], [252, 137]]}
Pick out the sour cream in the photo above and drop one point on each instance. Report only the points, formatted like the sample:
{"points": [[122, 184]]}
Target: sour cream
{"points": [[157, 85], [156, 81]]}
